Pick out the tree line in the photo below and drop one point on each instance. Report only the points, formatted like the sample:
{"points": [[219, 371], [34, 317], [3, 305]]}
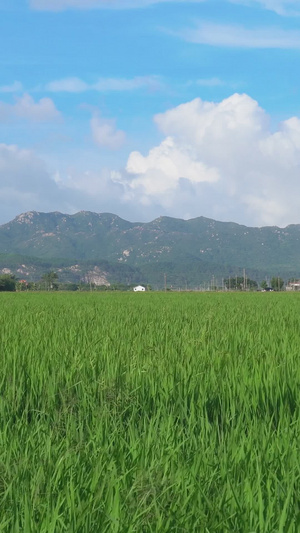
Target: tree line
{"points": [[50, 282], [240, 283]]}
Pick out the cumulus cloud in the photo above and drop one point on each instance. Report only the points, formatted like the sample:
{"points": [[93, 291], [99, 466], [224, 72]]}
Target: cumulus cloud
{"points": [[26, 108], [229, 35], [76, 85], [105, 133], [22, 170], [60, 5], [26, 185], [221, 160], [165, 165]]}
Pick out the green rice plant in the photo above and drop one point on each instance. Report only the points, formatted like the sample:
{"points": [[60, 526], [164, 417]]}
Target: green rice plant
{"points": [[156, 412]]}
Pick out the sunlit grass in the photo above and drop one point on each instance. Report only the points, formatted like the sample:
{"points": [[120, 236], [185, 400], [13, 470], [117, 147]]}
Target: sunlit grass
{"points": [[149, 413]]}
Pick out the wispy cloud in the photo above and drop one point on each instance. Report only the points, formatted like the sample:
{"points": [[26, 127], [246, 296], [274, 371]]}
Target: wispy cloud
{"points": [[61, 5], [15, 87], [281, 7], [114, 84], [210, 82], [68, 85], [234, 36], [105, 133], [76, 85]]}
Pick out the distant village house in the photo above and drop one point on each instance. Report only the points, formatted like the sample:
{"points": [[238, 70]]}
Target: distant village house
{"points": [[293, 285]]}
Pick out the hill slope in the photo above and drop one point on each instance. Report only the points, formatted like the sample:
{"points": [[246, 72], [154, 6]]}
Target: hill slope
{"points": [[188, 249]]}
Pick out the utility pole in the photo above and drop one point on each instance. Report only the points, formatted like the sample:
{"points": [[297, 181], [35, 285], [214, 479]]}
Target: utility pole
{"points": [[165, 281], [245, 280]]}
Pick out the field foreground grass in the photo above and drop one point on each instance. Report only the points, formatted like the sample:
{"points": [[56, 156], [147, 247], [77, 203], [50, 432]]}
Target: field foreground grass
{"points": [[135, 413]]}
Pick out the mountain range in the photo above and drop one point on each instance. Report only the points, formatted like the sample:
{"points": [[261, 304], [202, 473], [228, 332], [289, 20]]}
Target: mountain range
{"points": [[104, 248]]}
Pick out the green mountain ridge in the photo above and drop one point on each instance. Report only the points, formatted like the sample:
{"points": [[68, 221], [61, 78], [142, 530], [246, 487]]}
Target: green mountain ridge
{"points": [[186, 251]]}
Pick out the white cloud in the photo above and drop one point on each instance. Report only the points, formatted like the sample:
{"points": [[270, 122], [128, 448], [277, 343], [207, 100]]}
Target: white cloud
{"points": [[94, 185], [105, 133], [26, 108], [220, 160], [68, 85], [281, 7], [13, 88], [60, 5], [123, 84], [240, 36], [26, 185], [76, 85], [21, 169], [165, 165], [210, 82]]}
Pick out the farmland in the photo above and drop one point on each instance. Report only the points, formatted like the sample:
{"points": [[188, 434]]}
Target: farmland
{"points": [[156, 412]]}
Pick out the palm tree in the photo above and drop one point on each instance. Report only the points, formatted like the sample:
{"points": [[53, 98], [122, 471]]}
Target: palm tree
{"points": [[49, 279]]}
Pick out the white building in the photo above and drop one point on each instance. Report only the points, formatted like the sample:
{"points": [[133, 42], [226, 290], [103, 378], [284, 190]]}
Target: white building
{"points": [[293, 285], [139, 288]]}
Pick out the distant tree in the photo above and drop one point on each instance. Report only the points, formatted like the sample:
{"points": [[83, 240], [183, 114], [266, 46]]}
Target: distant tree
{"points": [[7, 283], [49, 280], [264, 284], [32, 286], [237, 283], [277, 283], [68, 287], [21, 285]]}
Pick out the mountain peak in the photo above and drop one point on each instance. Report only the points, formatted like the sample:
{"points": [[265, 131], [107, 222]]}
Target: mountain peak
{"points": [[26, 218], [165, 242]]}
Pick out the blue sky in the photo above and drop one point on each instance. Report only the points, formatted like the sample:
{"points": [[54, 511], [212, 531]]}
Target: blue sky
{"points": [[146, 108]]}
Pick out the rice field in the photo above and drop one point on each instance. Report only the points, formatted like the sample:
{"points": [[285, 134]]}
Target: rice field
{"points": [[135, 413]]}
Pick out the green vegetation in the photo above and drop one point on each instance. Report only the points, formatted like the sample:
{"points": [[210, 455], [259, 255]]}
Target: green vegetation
{"points": [[70, 271], [49, 280], [189, 252], [7, 283], [240, 283], [149, 412], [277, 283]]}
